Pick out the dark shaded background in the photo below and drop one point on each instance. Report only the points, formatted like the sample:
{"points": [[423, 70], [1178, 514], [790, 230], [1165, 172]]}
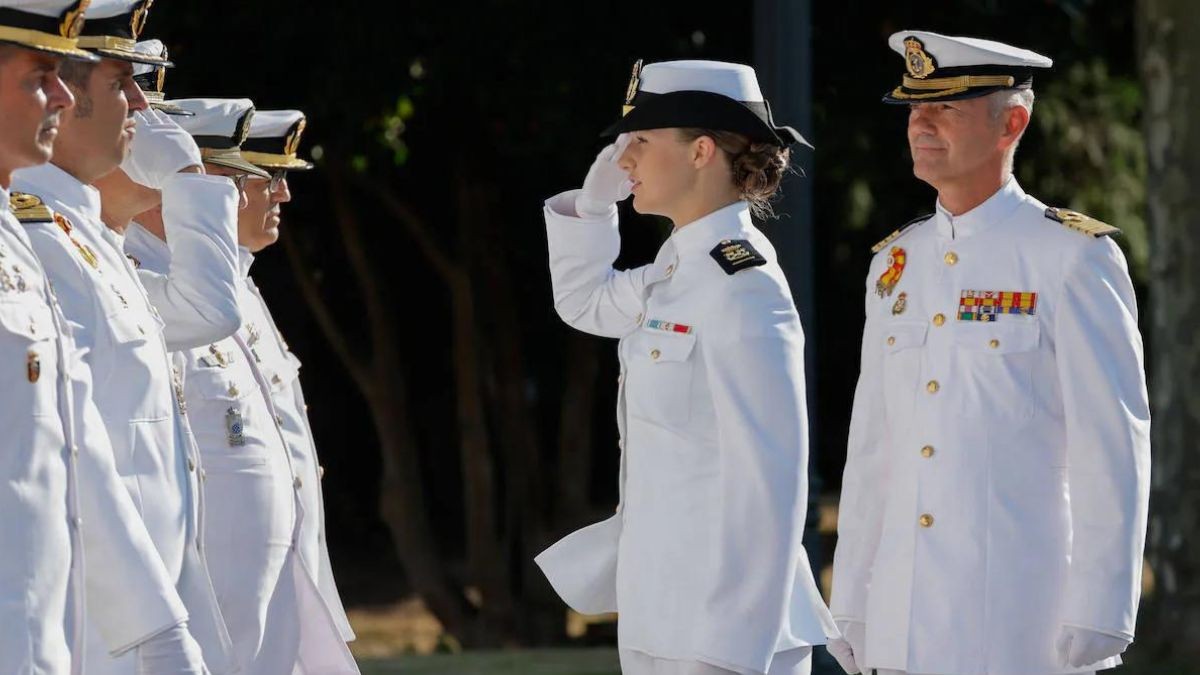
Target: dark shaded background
{"points": [[509, 96]]}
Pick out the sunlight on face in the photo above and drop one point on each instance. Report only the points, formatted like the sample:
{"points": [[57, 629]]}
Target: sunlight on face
{"points": [[32, 98], [950, 139], [660, 166]]}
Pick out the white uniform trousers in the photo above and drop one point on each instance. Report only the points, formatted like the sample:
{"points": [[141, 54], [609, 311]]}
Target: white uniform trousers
{"points": [[792, 662]]}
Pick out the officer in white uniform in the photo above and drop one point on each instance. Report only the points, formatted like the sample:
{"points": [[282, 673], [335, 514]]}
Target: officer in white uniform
{"points": [[119, 330], [993, 508], [703, 559], [253, 511], [273, 146], [59, 462]]}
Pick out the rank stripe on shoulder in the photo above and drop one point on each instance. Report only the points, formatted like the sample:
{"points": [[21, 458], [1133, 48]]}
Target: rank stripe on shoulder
{"points": [[1080, 223], [735, 255], [900, 232], [27, 208]]}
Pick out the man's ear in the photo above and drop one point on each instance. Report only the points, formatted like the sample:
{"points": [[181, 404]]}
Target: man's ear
{"points": [[1016, 120], [704, 149]]}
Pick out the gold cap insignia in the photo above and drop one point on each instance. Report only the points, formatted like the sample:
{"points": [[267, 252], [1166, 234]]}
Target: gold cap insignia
{"points": [[161, 81], [71, 22], [242, 131], [634, 81], [137, 23], [920, 64], [292, 144]]}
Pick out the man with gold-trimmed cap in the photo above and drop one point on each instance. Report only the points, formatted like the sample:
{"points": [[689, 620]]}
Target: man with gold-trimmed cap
{"points": [[61, 463], [994, 502], [273, 146], [219, 127], [97, 159], [152, 77], [245, 421]]}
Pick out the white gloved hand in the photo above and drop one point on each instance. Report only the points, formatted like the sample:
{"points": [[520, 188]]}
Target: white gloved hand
{"points": [[606, 182], [1078, 647], [846, 649], [160, 149], [171, 652]]}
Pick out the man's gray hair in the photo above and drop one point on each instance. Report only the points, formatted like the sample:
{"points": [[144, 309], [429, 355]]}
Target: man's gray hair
{"points": [[1002, 101]]}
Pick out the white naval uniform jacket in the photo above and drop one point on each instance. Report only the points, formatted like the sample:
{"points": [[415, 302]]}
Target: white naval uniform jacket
{"points": [[997, 474], [121, 336], [281, 367], [38, 494], [252, 509], [703, 559], [58, 465]]}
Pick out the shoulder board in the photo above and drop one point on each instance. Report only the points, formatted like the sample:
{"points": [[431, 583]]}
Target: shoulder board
{"points": [[1080, 223], [900, 232], [735, 255], [29, 208]]}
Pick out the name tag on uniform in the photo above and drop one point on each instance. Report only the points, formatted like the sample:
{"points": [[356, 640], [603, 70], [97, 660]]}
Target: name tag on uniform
{"points": [[987, 305], [667, 326]]}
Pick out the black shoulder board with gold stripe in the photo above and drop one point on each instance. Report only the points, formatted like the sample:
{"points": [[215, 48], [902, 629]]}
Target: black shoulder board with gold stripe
{"points": [[29, 208], [735, 255], [1080, 223], [900, 232]]}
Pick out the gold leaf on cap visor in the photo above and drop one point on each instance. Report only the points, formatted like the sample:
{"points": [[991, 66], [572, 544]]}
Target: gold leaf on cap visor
{"points": [[72, 19]]}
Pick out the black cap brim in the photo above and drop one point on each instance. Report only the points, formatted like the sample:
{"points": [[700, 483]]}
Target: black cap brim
{"points": [[705, 110]]}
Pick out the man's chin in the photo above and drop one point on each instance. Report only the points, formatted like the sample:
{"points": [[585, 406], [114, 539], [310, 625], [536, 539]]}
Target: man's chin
{"points": [[42, 152]]}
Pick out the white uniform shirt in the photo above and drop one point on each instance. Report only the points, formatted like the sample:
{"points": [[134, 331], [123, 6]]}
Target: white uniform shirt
{"points": [[121, 336], [252, 509], [997, 474], [281, 367], [703, 560]]}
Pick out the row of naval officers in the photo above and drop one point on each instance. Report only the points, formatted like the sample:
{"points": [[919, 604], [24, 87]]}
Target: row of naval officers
{"points": [[159, 485]]}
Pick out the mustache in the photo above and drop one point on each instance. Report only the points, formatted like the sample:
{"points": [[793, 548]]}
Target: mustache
{"points": [[927, 142], [49, 122]]}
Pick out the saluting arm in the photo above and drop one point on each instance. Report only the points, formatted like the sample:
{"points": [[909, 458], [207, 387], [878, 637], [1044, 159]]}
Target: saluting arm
{"points": [[198, 297], [588, 293]]}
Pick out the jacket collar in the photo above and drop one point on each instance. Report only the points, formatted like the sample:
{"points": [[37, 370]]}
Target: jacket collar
{"points": [[995, 209]]}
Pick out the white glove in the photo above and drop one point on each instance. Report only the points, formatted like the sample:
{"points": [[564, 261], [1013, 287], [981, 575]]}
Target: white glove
{"points": [[171, 652], [160, 149], [846, 648], [606, 182], [1079, 647]]}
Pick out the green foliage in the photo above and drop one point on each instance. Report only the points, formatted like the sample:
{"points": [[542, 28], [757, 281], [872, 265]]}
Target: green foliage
{"points": [[393, 124], [1090, 155]]}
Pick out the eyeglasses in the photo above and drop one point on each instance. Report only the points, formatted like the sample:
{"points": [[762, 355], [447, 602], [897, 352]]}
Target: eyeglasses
{"points": [[239, 180], [277, 178]]}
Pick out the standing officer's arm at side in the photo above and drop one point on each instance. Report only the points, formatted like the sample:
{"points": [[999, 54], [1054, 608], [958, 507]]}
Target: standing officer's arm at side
{"points": [[1101, 372]]}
